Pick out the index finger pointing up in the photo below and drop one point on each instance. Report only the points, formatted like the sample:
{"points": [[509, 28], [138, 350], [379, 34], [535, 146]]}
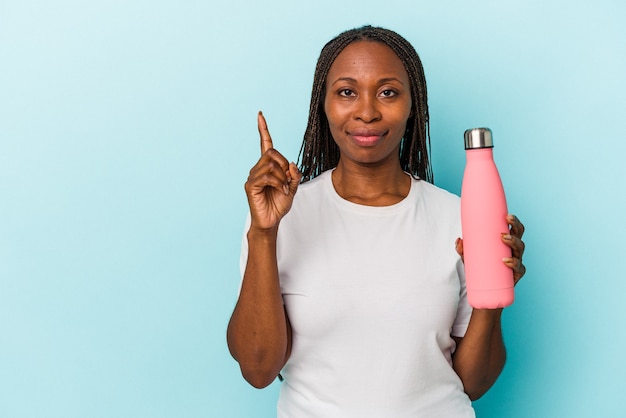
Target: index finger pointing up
{"points": [[266, 139]]}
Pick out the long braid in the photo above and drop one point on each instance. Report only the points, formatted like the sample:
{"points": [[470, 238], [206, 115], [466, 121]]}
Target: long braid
{"points": [[319, 151]]}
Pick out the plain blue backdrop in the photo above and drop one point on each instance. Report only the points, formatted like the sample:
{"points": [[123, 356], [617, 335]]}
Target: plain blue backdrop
{"points": [[127, 129]]}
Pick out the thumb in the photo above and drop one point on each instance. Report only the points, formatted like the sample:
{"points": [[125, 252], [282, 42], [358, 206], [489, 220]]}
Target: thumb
{"points": [[459, 247], [296, 176]]}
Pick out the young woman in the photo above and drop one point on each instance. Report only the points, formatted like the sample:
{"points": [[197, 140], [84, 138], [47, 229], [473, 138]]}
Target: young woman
{"points": [[353, 283]]}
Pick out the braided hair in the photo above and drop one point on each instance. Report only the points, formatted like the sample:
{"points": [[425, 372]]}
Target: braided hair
{"points": [[319, 152]]}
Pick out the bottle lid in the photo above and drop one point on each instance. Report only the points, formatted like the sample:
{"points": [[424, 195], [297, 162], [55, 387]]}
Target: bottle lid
{"points": [[478, 138]]}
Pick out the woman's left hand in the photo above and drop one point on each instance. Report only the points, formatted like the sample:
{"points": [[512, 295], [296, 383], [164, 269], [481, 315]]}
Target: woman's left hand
{"points": [[514, 240]]}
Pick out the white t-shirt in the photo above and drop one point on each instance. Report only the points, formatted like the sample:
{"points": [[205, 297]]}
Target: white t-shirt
{"points": [[373, 295]]}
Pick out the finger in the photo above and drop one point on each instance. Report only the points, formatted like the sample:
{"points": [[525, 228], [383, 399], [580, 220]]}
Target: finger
{"points": [[266, 139], [458, 245], [517, 228], [294, 176], [259, 180], [274, 163], [272, 160], [515, 264], [272, 170], [516, 244]]}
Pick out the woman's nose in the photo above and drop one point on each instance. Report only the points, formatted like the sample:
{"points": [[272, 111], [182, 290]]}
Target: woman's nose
{"points": [[367, 109]]}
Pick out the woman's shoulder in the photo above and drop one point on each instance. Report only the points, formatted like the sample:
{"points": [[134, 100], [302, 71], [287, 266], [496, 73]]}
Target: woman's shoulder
{"points": [[432, 191], [316, 185], [440, 206]]}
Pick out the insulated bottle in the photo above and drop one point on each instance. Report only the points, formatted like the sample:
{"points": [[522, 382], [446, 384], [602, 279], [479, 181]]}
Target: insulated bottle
{"points": [[483, 217]]}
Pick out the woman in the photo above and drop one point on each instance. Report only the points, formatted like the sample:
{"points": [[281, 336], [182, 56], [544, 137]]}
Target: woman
{"points": [[353, 288]]}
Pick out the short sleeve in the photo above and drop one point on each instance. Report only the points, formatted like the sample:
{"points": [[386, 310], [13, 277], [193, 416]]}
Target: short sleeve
{"points": [[243, 258], [464, 310]]}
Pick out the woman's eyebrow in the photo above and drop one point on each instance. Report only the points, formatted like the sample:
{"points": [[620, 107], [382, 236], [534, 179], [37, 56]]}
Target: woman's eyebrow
{"points": [[381, 81], [348, 79], [388, 79]]}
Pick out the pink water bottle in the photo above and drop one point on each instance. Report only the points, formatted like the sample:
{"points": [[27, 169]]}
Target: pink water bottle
{"points": [[483, 216]]}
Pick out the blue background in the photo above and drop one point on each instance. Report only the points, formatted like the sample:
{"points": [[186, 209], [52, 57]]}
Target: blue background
{"points": [[127, 129]]}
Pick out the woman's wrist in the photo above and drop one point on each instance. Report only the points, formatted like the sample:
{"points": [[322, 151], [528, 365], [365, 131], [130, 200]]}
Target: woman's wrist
{"points": [[487, 314], [262, 235]]}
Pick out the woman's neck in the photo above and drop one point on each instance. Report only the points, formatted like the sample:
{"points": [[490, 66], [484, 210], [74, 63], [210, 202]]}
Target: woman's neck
{"points": [[371, 186]]}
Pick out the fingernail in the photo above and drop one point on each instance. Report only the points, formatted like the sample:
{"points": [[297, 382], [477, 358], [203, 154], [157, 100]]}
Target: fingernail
{"points": [[507, 236], [285, 189]]}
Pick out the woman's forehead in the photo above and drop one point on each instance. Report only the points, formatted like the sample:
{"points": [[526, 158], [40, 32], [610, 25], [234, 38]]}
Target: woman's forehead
{"points": [[367, 59]]}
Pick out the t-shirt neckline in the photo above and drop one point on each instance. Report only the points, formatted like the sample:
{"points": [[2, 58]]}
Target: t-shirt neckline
{"points": [[365, 209]]}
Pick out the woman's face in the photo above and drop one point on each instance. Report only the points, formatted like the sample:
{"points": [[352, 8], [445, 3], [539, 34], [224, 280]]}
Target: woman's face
{"points": [[367, 103]]}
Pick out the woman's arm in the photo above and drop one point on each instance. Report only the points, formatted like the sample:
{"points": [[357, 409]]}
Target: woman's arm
{"points": [[480, 355], [259, 334]]}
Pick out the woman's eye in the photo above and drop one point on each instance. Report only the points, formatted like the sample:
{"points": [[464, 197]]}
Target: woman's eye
{"points": [[388, 93], [346, 93]]}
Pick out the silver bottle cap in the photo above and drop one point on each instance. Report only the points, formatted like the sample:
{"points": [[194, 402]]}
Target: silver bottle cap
{"points": [[478, 138]]}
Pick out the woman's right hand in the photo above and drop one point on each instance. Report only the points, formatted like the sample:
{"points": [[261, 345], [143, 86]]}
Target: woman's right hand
{"points": [[271, 185]]}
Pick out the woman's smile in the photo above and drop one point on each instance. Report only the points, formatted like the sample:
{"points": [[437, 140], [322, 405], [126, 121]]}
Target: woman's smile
{"points": [[366, 137]]}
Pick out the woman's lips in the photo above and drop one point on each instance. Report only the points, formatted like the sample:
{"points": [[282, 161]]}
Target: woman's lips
{"points": [[366, 136]]}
